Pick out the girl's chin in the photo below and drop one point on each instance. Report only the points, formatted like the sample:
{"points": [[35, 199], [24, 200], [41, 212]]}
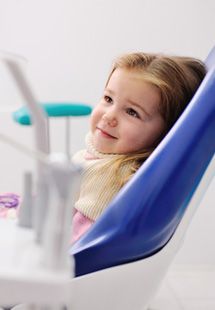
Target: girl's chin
{"points": [[103, 150], [100, 147]]}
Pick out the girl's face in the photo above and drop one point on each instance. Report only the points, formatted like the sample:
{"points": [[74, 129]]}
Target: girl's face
{"points": [[127, 118]]}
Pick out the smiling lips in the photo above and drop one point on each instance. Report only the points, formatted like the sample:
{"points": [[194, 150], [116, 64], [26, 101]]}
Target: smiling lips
{"points": [[105, 134]]}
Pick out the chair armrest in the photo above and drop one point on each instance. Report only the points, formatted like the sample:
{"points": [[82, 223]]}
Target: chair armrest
{"points": [[53, 109]]}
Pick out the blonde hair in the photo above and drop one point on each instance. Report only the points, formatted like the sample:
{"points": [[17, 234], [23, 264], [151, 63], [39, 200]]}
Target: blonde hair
{"points": [[177, 79]]}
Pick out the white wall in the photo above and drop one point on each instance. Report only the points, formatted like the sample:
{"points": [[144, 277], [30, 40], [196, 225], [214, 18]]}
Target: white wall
{"points": [[70, 46]]}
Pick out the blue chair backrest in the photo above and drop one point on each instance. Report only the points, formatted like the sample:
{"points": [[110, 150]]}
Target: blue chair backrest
{"points": [[210, 61], [144, 215]]}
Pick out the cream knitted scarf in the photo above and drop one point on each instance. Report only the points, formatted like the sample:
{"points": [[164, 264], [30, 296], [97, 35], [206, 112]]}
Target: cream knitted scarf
{"points": [[98, 186]]}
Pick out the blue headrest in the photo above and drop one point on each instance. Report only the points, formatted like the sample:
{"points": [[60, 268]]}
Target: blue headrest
{"points": [[144, 215]]}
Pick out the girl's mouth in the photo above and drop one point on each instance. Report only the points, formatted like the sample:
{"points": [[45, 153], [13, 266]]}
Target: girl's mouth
{"points": [[105, 134]]}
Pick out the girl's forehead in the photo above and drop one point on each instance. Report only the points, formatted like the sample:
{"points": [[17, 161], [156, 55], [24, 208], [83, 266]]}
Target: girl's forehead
{"points": [[131, 79], [131, 76], [131, 86], [134, 72]]}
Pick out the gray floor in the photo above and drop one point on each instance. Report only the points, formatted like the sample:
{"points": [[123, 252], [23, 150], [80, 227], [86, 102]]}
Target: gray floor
{"points": [[187, 288]]}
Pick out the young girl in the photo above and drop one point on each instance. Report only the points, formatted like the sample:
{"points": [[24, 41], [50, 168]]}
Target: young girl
{"points": [[143, 97]]}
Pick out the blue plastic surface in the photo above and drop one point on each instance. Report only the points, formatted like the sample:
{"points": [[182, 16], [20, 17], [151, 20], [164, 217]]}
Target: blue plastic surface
{"points": [[210, 61], [144, 215], [56, 109]]}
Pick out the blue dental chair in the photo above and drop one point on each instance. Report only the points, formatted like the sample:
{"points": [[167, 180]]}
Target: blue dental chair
{"points": [[121, 261], [130, 248], [145, 214]]}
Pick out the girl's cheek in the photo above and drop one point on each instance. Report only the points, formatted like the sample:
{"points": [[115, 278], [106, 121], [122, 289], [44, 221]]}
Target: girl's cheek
{"points": [[94, 119], [97, 113]]}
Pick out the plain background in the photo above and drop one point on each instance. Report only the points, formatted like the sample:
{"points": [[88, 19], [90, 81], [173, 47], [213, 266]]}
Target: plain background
{"points": [[69, 46]]}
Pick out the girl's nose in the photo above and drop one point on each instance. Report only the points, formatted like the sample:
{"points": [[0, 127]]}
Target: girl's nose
{"points": [[109, 119]]}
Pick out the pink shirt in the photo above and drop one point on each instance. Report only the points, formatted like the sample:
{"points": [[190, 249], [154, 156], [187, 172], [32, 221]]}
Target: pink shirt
{"points": [[80, 224]]}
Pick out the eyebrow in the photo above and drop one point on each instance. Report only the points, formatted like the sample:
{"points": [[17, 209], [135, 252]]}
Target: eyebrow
{"points": [[138, 106], [131, 102], [109, 90]]}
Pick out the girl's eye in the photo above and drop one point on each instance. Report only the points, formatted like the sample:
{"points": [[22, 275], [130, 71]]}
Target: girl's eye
{"points": [[108, 99], [132, 112]]}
